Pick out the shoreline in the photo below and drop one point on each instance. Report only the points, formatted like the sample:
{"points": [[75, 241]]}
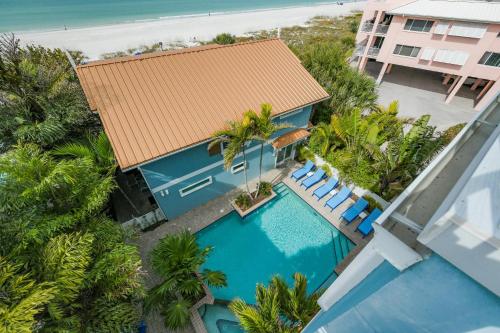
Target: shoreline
{"points": [[98, 40]]}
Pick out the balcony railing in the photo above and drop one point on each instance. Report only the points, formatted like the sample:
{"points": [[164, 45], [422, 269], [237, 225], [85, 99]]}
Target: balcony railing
{"points": [[360, 50], [382, 29], [367, 27], [373, 51]]}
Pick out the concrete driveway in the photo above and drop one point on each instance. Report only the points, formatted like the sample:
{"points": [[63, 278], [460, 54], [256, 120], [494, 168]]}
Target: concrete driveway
{"points": [[420, 92]]}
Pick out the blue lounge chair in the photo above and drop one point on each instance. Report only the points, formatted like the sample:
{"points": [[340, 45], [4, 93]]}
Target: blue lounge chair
{"points": [[338, 198], [365, 227], [356, 208], [297, 174], [310, 181], [324, 189]]}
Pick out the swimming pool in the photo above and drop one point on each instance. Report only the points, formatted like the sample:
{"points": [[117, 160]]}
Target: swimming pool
{"points": [[284, 236]]}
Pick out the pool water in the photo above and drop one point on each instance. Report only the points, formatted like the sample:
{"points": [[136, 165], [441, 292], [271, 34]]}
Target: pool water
{"points": [[282, 237], [219, 319]]}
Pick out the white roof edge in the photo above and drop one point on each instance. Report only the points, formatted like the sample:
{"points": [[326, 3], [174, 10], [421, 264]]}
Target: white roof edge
{"points": [[470, 11]]}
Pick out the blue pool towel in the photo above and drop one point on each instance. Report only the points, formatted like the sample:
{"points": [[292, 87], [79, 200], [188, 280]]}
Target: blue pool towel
{"points": [[352, 212], [338, 198], [365, 227], [318, 175], [326, 188], [297, 174]]}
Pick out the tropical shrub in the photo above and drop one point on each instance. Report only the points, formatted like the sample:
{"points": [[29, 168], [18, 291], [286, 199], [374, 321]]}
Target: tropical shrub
{"points": [[244, 201], [224, 39], [372, 150], [304, 154], [348, 88], [177, 260], [41, 100], [372, 203], [265, 188], [278, 308], [53, 228], [327, 169]]}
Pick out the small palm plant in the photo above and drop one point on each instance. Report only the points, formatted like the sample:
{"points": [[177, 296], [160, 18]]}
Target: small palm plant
{"points": [[177, 260], [263, 128], [235, 136], [279, 308]]}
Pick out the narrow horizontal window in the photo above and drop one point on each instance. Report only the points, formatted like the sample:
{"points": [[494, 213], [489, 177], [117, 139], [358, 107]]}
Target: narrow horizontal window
{"points": [[407, 51], [195, 186], [289, 114], [238, 167], [418, 25], [490, 59]]}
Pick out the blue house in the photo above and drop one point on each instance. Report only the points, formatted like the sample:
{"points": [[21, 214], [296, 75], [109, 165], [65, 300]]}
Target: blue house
{"points": [[160, 111]]}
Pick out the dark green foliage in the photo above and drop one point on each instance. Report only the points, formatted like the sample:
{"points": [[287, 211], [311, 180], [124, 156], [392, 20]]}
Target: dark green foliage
{"points": [[52, 225], [327, 63], [372, 150], [224, 39], [244, 201], [304, 154], [372, 203], [279, 308], [265, 188], [40, 98], [177, 260]]}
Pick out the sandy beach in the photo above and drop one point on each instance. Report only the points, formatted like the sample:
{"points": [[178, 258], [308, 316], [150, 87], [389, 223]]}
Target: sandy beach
{"points": [[95, 41]]}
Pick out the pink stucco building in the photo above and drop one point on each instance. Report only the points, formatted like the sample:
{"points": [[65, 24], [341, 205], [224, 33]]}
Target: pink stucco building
{"points": [[460, 39]]}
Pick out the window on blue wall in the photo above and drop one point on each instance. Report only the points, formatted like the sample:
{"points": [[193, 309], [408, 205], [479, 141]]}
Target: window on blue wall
{"points": [[238, 167], [195, 186], [289, 114]]}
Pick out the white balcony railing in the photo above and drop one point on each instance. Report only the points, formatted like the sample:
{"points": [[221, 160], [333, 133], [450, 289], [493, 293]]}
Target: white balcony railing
{"points": [[360, 50], [382, 29], [367, 27], [373, 51]]}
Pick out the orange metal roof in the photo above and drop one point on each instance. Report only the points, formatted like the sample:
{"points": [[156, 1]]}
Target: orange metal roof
{"points": [[290, 137], [155, 104]]}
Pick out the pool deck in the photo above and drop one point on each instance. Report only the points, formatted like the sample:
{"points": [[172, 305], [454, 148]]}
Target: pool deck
{"points": [[203, 216], [349, 230]]}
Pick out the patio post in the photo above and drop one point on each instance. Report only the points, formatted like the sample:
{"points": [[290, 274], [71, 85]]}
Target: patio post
{"points": [[488, 93], [457, 87], [446, 79], [382, 72], [476, 84]]}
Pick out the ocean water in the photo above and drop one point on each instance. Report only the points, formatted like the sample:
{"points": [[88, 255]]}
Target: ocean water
{"points": [[282, 237], [26, 15]]}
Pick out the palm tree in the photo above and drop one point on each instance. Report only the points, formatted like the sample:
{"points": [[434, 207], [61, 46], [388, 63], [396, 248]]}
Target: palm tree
{"points": [[323, 138], [236, 136], [406, 155], [263, 128], [98, 149], [177, 259], [279, 308], [41, 100]]}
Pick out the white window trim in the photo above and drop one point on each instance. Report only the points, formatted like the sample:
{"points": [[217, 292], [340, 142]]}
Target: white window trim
{"points": [[210, 181], [289, 114], [238, 167]]}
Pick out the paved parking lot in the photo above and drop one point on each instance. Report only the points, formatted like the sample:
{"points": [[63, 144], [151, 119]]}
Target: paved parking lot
{"points": [[420, 92]]}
